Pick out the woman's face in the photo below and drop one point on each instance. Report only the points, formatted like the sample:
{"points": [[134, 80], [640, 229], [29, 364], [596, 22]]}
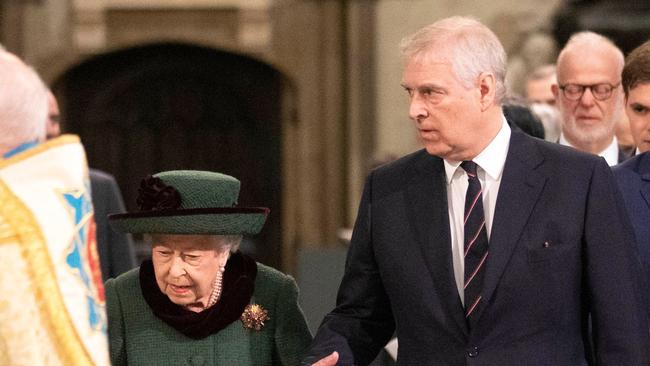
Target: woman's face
{"points": [[186, 266]]}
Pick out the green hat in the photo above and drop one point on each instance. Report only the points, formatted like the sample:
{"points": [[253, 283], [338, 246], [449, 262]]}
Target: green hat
{"points": [[190, 202]]}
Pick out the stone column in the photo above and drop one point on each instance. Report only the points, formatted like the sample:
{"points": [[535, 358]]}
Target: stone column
{"points": [[324, 47]]}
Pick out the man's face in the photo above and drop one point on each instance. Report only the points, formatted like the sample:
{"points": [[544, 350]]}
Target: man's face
{"points": [[637, 107], [539, 91], [589, 121], [446, 114]]}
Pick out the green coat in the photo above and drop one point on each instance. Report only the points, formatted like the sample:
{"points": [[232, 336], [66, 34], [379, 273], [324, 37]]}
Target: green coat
{"points": [[138, 337]]}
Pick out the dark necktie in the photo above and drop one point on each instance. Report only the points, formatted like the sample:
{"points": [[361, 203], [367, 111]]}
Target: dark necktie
{"points": [[476, 241]]}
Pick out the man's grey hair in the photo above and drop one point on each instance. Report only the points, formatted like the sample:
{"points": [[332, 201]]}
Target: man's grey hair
{"points": [[593, 41], [23, 103], [470, 47]]}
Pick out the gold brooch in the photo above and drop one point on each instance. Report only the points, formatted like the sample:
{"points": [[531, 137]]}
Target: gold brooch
{"points": [[254, 316]]}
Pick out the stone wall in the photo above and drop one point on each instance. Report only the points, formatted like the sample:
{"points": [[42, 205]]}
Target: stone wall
{"points": [[345, 106]]}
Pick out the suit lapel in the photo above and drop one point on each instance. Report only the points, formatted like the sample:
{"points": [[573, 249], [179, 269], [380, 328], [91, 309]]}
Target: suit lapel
{"points": [[644, 173], [426, 199], [520, 188]]}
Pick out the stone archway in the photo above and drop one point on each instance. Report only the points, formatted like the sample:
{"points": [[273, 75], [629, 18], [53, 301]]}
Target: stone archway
{"points": [[178, 106]]}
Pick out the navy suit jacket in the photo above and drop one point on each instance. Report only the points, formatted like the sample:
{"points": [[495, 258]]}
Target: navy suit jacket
{"points": [[561, 250], [115, 250], [633, 178]]}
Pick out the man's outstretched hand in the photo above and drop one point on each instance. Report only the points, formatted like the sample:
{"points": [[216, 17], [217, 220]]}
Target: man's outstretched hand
{"points": [[329, 360]]}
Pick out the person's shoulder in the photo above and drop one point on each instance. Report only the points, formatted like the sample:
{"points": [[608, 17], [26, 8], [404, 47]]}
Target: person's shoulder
{"points": [[272, 285], [126, 281], [100, 175], [405, 162], [557, 154], [270, 274], [101, 181], [627, 167], [393, 176], [639, 164]]}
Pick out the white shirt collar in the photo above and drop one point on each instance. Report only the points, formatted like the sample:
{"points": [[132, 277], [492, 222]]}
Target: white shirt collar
{"points": [[492, 159], [610, 153]]}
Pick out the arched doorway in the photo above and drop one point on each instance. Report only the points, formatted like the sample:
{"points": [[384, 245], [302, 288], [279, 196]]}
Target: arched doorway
{"points": [[177, 106]]}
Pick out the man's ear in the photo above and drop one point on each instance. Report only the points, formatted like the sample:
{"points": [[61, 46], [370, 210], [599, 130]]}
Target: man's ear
{"points": [[487, 86], [556, 90]]}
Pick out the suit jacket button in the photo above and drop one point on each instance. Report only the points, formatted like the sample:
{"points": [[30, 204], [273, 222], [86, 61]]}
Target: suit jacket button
{"points": [[197, 361], [472, 352]]}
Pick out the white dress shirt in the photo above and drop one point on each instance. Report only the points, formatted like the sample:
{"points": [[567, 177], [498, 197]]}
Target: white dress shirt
{"points": [[490, 168], [610, 153]]}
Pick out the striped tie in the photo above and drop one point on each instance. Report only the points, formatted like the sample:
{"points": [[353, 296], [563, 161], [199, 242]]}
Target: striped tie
{"points": [[476, 241]]}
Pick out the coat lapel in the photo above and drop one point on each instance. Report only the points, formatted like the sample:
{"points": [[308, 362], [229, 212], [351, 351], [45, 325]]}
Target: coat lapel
{"points": [[426, 199], [644, 172], [520, 188]]}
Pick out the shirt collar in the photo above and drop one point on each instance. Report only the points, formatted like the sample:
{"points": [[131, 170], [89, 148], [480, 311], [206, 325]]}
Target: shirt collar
{"points": [[492, 159], [610, 153]]}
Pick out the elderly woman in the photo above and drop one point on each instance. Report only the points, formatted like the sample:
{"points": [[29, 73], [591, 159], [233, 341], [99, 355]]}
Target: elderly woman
{"points": [[199, 301]]}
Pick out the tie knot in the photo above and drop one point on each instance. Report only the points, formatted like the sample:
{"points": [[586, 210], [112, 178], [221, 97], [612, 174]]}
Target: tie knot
{"points": [[469, 167]]}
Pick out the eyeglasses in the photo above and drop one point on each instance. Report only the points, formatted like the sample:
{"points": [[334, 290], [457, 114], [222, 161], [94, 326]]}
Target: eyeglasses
{"points": [[600, 91]]}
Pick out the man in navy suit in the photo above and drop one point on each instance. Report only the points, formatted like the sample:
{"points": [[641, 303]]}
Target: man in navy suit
{"points": [[502, 265], [634, 175]]}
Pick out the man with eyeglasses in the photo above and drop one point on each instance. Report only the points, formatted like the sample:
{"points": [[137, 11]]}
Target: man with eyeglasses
{"points": [[589, 95]]}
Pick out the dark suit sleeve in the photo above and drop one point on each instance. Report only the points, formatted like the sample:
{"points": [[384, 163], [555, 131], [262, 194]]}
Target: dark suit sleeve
{"points": [[620, 331], [116, 251], [362, 321], [122, 253]]}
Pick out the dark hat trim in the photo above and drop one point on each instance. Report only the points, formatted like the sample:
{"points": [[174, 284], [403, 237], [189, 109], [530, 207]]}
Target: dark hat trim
{"points": [[190, 211]]}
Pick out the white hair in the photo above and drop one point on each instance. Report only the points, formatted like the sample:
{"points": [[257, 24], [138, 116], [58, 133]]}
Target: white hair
{"points": [[471, 47], [23, 103], [595, 42], [232, 241]]}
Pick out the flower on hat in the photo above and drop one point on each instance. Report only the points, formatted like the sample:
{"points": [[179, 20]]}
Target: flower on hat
{"points": [[254, 316], [154, 194]]}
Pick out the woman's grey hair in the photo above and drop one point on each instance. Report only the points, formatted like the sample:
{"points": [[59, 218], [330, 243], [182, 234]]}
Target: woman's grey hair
{"points": [[231, 241], [23, 103], [471, 48]]}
